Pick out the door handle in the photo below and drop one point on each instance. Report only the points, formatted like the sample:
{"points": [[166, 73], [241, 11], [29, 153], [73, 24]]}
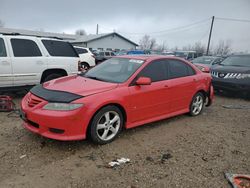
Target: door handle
{"points": [[5, 63], [195, 80], [166, 86]]}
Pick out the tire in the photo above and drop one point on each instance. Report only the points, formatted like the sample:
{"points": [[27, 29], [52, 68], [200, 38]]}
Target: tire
{"points": [[197, 104], [51, 76], [102, 130], [85, 66]]}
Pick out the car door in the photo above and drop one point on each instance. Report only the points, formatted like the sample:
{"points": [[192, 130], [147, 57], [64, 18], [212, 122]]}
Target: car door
{"points": [[183, 84], [149, 101], [6, 76], [28, 62]]}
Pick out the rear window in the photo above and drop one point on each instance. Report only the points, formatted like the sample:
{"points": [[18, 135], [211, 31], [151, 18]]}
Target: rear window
{"points": [[59, 48], [2, 48], [25, 48], [81, 50]]}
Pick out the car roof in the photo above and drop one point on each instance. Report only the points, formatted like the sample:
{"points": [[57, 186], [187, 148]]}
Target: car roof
{"points": [[148, 57], [29, 37], [239, 55], [80, 47]]}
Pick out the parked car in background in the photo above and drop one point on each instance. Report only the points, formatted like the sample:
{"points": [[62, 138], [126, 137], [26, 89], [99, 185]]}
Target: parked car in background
{"points": [[188, 55], [168, 53], [104, 55], [136, 52], [86, 57], [122, 92], [232, 74], [207, 60], [122, 52], [29, 60]]}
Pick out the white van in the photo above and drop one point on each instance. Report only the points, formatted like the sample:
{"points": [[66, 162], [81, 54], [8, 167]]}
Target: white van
{"points": [[28, 60]]}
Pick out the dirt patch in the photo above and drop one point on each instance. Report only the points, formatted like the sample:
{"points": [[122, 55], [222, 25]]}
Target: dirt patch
{"points": [[179, 152]]}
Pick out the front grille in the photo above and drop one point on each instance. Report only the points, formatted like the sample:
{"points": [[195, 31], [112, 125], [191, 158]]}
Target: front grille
{"points": [[32, 101]]}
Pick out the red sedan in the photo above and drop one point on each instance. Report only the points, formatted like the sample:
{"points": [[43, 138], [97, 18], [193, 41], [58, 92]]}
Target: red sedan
{"points": [[122, 92]]}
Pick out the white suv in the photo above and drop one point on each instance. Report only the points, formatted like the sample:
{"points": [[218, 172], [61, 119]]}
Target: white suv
{"points": [[86, 57], [27, 60]]}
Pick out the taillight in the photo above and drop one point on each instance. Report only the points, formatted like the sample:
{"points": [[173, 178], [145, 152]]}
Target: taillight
{"points": [[93, 56]]}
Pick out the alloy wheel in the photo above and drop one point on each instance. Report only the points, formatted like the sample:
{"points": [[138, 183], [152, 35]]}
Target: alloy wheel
{"points": [[108, 125], [197, 105]]}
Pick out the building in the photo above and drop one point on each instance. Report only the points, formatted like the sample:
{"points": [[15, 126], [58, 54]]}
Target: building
{"points": [[107, 41]]}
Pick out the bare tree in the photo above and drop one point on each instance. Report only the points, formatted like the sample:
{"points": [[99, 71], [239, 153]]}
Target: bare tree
{"points": [[187, 47], [223, 48], [162, 47], [1, 23], [80, 32], [147, 43], [199, 48]]}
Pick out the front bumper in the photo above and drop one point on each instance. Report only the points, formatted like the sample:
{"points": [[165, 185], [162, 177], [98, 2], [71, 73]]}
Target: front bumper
{"points": [[230, 86], [58, 125]]}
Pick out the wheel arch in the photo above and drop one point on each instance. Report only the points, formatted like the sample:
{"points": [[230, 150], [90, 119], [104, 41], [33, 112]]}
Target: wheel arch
{"points": [[118, 105], [47, 72]]}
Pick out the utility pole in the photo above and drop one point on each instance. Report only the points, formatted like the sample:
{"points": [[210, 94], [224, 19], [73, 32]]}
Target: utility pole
{"points": [[97, 29], [210, 34]]}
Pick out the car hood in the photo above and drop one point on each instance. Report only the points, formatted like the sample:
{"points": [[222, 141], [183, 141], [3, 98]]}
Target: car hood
{"points": [[79, 85], [230, 69], [203, 65]]}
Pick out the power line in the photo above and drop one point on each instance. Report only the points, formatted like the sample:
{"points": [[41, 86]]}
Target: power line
{"points": [[168, 30], [232, 19]]}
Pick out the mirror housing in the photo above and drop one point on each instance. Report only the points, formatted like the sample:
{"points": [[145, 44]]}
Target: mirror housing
{"points": [[143, 81]]}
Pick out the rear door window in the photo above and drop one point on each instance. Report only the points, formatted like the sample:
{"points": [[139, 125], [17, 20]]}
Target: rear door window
{"points": [[107, 54], [59, 48], [155, 70], [81, 51], [2, 48], [178, 69], [25, 48]]}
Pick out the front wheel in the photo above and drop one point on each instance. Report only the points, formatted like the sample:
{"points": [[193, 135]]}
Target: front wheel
{"points": [[197, 104], [106, 125]]}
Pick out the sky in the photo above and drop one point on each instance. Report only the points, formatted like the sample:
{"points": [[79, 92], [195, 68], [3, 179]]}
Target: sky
{"points": [[171, 22]]}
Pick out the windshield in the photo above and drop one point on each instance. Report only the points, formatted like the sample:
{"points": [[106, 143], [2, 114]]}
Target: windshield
{"points": [[116, 70], [239, 61], [204, 60]]}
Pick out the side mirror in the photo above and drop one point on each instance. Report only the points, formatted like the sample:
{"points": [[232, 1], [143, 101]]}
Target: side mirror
{"points": [[143, 81]]}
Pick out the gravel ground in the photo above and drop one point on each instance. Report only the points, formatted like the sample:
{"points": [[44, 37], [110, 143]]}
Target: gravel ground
{"points": [[179, 152]]}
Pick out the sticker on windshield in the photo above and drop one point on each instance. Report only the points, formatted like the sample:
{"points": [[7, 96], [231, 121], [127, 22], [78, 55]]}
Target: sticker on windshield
{"points": [[136, 61]]}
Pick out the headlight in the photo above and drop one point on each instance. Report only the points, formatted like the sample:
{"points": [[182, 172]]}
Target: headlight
{"points": [[203, 69], [62, 106]]}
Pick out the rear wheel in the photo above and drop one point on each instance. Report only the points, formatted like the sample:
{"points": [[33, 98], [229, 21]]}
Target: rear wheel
{"points": [[197, 104], [85, 66], [106, 125]]}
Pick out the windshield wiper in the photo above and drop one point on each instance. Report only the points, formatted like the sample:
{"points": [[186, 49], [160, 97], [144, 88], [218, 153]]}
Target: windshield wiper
{"points": [[94, 78]]}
